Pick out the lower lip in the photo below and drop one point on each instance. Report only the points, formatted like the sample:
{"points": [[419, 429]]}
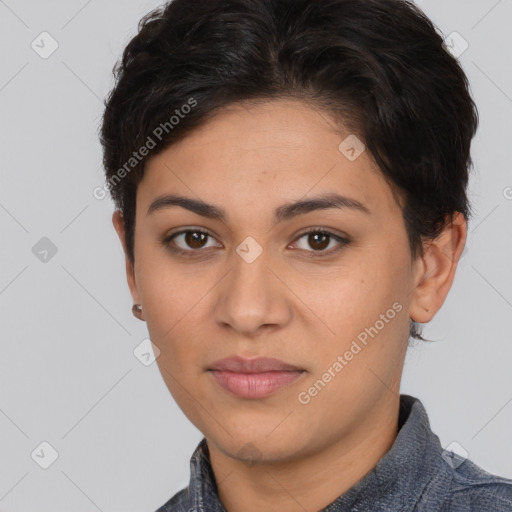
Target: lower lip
{"points": [[254, 385]]}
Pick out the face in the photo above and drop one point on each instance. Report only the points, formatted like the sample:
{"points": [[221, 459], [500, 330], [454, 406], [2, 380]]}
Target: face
{"points": [[324, 286]]}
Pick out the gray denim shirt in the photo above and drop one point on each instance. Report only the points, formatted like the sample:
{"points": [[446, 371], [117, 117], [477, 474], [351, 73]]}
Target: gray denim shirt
{"points": [[416, 474]]}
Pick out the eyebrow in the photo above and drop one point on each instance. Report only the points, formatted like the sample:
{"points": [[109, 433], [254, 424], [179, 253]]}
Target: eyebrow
{"points": [[284, 212]]}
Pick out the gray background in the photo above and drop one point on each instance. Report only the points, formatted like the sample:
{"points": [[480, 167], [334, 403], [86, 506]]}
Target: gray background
{"points": [[68, 374]]}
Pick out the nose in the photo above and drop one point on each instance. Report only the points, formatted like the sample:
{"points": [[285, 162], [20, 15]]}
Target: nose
{"points": [[253, 297]]}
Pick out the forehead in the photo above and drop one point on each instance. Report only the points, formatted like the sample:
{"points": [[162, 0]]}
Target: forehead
{"points": [[265, 153]]}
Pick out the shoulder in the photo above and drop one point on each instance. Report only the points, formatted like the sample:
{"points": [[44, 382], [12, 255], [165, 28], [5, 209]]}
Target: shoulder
{"points": [[472, 489], [178, 503]]}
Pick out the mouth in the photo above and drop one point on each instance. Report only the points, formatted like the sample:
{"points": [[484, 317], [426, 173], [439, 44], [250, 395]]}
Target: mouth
{"points": [[254, 378]]}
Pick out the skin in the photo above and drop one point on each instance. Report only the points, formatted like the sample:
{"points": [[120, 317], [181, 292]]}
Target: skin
{"points": [[276, 453]]}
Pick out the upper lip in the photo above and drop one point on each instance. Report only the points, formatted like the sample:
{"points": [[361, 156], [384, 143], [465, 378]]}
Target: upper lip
{"points": [[257, 365]]}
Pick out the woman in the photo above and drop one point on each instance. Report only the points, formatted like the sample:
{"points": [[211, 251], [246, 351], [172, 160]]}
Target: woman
{"points": [[290, 180]]}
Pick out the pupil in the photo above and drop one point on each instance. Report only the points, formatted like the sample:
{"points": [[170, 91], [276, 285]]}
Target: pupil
{"points": [[315, 242], [194, 239]]}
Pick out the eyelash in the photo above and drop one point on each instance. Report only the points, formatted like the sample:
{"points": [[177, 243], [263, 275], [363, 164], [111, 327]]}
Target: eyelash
{"points": [[315, 230]]}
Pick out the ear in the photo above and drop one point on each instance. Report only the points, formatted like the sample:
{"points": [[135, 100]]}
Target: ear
{"points": [[118, 222], [436, 269]]}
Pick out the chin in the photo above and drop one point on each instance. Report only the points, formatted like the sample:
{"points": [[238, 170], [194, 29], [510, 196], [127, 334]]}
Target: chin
{"points": [[266, 445]]}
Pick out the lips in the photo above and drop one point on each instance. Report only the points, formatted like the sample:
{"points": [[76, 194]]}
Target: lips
{"points": [[258, 365], [253, 378]]}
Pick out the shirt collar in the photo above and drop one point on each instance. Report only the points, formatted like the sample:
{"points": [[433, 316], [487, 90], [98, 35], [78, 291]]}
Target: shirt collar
{"points": [[395, 483]]}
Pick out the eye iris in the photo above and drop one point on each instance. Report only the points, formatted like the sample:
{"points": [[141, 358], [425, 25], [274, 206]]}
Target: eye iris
{"points": [[317, 240], [194, 239], [313, 240]]}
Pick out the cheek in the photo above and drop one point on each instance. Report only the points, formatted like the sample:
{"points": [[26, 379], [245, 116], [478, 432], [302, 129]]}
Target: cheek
{"points": [[168, 291], [346, 299], [363, 312]]}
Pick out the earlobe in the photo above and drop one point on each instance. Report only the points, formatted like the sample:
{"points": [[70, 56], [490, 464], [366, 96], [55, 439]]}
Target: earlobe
{"points": [[137, 312], [118, 222], [437, 272]]}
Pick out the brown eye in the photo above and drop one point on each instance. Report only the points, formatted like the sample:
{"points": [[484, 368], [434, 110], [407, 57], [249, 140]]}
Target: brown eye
{"points": [[318, 240], [195, 239], [188, 241]]}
